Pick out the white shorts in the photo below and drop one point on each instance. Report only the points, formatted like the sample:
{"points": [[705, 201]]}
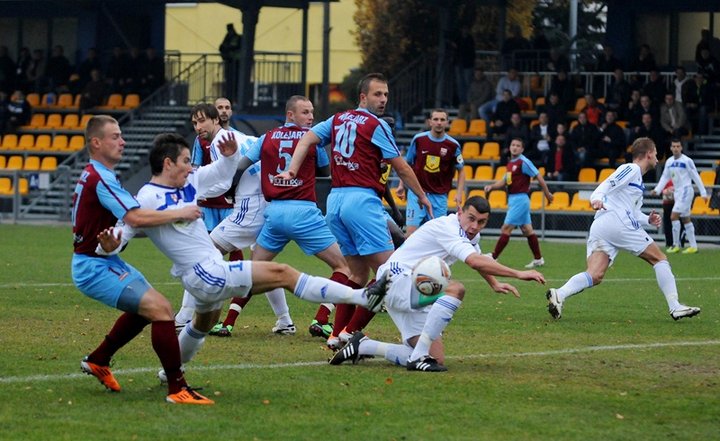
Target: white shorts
{"points": [[609, 234], [212, 281], [683, 201], [409, 321], [240, 229]]}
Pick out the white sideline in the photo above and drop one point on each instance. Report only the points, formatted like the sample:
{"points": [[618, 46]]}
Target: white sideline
{"points": [[59, 377]]}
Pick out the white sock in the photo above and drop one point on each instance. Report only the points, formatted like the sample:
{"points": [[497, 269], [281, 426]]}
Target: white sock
{"points": [[187, 309], [279, 305], [690, 234], [676, 233], [437, 320], [190, 340], [394, 353], [666, 282], [320, 290], [575, 285]]}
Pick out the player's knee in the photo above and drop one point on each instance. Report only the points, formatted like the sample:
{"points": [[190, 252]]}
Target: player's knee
{"points": [[155, 307]]}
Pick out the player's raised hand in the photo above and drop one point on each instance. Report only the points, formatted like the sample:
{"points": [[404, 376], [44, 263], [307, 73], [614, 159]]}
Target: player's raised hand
{"points": [[107, 239], [227, 144]]}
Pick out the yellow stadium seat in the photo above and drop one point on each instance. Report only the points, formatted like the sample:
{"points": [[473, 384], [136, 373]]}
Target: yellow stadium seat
{"points": [[604, 173], [587, 174], [83, 121], [498, 199], [477, 127], [131, 101], [540, 101], [36, 121], [580, 104], [5, 186], [2, 161], [533, 123], [528, 106], [59, 142], [114, 101], [77, 142], [33, 99], [14, 163], [541, 172], [699, 206], [42, 142], [9, 141], [500, 173], [32, 163], [471, 150], [24, 187], [561, 201], [27, 142], [476, 192], [483, 173], [71, 121], [451, 198], [457, 127], [49, 163], [579, 204], [65, 100], [399, 202], [490, 151], [536, 200], [48, 100], [622, 124], [54, 121], [707, 177]]}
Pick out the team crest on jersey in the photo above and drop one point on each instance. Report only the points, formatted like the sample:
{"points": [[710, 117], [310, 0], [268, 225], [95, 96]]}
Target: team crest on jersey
{"points": [[443, 151], [432, 164]]}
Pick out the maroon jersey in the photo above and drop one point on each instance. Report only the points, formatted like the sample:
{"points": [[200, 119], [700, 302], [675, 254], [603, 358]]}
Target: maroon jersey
{"points": [[98, 202], [434, 161], [223, 201], [519, 173], [278, 146], [358, 139]]}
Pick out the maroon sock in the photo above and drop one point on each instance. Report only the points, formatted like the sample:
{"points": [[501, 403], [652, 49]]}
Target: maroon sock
{"points": [[232, 315], [126, 327], [323, 315], [236, 255], [534, 246], [500, 245], [166, 346], [359, 320], [343, 314]]}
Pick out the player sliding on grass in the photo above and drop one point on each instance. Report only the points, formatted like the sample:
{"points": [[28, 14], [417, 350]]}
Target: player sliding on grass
{"points": [[196, 261], [618, 226]]}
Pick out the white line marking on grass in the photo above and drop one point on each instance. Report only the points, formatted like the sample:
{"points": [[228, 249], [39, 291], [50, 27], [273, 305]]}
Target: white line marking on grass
{"points": [[59, 377]]}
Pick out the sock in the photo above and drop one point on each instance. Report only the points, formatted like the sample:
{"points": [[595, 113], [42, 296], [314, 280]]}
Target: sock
{"points": [[344, 313], [500, 245], [187, 309], [394, 353], [236, 255], [575, 285], [126, 327], [534, 246], [360, 318], [165, 344], [323, 313], [191, 340], [676, 233], [666, 282], [279, 305], [689, 234], [437, 320], [234, 311], [320, 290]]}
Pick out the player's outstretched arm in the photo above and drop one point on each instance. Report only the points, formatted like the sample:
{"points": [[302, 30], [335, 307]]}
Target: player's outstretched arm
{"points": [[408, 177], [143, 217]]}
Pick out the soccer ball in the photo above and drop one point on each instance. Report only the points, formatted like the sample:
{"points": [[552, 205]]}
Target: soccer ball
{"points": [[431, 276]]}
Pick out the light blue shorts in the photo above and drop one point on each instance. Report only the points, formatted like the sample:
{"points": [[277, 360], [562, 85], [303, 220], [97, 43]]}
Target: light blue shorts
{"points": [[518, 210], [416, 215], [301, 221], [213, 216], [355, 216], [109, 280]]}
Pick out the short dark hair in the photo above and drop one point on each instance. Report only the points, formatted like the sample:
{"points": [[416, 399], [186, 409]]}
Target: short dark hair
{"points": [[479, 203], [364, 84], [165, 145], [206, 109], [520, 140]]}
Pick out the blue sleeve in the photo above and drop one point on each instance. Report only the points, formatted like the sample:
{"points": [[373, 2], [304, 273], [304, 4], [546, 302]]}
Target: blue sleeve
{"points": [[114, 197], [410, 155], [253, 151], [383, 139], [322, 157], [529, 168], [323, 130], [196, 153], [459, 158]]}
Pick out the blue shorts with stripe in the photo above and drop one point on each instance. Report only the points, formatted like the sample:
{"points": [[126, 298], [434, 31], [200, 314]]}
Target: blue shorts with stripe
{"points": [[416, 215], [301, 221], [355, 216], [109, 280], [213, 216], [518, 210]]}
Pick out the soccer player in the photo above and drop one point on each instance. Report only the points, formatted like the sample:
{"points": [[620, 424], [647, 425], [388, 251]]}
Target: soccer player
{"points": [[434, 156], [359, 142], [618, 226], [197, 262], [99, 201], [517, 180], [421, 319], [682, 171], [292, 213]]}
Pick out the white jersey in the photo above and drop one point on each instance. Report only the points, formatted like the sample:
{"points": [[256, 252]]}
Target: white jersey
{"points": [[622, 195], [442, 237], [683, 173], [249, 183]]}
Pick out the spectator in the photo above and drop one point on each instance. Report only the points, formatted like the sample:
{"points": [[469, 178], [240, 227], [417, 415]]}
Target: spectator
{"points": [[230, 52], [517, 129], [3, 111], [116, 70], [557, 61], [632, 105], [136, 68], [651, 129], [514, 44], [21, 69], [593, 109], [564, 88], [607, 62], [556, 112], [154, 76], [18, 112], [612, 141], [503, 112], [7, 71], [673, 118], [541, 137], [619, 93], [655, 87], [480, 91], [709, 42], [541, 46], [697, 99], [679, 82], [561, 161], [94, 92], [646, 106], [87, 65], [58, 70], [645, 61], [463, 61], [36, 72], [509, 82], [584, 138], [709, 65]]}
